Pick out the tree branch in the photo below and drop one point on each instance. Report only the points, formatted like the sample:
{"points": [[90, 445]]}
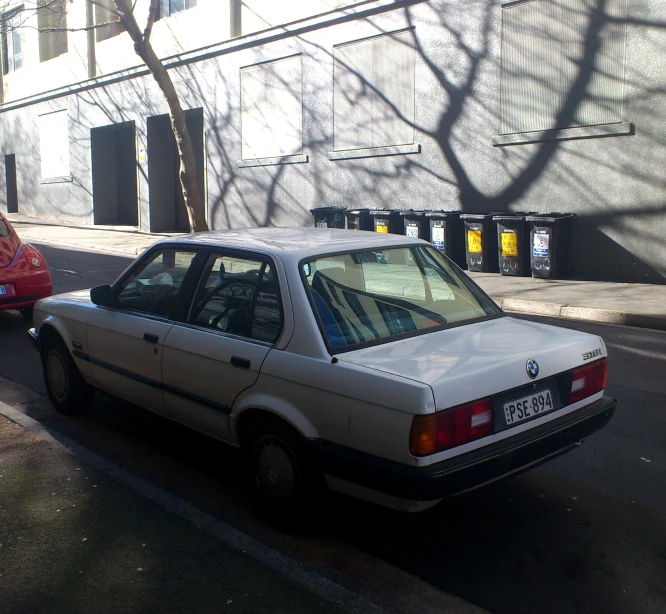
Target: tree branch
{"points": [[85, 29], [152, 13]]}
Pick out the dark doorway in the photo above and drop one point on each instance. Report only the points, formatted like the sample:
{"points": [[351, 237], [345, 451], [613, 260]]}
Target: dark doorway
{"points": [[114, 175], [10, 182], [167, 207]]}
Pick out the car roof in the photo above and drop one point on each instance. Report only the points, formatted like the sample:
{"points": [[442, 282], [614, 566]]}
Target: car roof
{"points": [[295, 243]]}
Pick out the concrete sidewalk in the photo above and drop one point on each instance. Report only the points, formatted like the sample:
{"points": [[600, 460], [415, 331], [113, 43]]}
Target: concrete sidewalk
{"points": [[642, 305], [74, 538]]}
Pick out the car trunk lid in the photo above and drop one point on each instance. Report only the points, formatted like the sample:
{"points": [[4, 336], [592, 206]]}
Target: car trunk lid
{"points": [[481, 359]]}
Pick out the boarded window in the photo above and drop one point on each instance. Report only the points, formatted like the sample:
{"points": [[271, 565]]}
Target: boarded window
{"points": [[562, 64], [52, 23], [271, 109], [107, 21], [373, 95], [54, 144]]}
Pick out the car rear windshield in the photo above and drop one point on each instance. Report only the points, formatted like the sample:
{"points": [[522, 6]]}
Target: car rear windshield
{"points": [[371, 296]]}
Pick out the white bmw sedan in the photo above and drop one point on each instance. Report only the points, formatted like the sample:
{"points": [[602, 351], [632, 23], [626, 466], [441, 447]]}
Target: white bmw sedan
{"points": [[363, 361]]}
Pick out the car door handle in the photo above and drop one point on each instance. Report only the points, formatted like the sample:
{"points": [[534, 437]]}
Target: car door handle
{"points": [[243, 363], [150, 338]]}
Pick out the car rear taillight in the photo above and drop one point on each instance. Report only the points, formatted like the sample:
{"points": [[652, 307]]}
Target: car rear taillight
{"points": [[450, 428], [588, 380], [33, 257]]}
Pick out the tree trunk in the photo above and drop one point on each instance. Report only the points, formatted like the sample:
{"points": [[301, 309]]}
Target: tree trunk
{"points": [[193, 199]]}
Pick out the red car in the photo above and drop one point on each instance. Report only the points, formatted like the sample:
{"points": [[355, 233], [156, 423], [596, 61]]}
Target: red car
{"points": [[24, 273]]}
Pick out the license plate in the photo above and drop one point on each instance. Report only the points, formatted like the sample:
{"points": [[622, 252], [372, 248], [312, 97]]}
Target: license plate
{"points": [[3, 290], [528, 407]]}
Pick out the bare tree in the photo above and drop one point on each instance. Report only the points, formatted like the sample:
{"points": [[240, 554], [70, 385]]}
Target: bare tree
{"points": [[123, 10], [144, 49]]}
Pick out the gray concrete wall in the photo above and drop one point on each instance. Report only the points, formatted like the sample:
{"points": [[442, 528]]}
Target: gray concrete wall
{"points": [[615, 185]]}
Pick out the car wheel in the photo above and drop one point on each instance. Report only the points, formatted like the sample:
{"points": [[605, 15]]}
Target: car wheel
{"points": [[68, 391], [285, 482], [27, 312]]}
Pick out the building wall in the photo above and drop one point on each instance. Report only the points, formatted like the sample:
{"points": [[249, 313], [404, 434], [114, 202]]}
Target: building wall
{"points": [[458, 160]]}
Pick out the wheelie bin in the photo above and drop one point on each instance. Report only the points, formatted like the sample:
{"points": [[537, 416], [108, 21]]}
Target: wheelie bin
{"points": [[385, 220], [481, 242], [329, 217], [513, 244], [550, 239], [359, 219], [447, 234]]}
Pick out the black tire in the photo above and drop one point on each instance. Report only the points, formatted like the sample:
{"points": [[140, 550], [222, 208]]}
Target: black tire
{"points": [[27, 312], [286, 481], [68, 391]]}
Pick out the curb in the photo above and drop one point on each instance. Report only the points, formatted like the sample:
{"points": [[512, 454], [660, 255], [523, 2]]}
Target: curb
{"points": [[233, 538], [588, 314], [123, 251], [128, 230]]}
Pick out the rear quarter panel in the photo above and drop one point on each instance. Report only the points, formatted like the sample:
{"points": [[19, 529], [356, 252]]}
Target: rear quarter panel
{"points": [[341, 403]]}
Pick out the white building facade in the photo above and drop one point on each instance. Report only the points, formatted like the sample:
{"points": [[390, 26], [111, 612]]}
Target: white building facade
{"points": [[474, 105]]}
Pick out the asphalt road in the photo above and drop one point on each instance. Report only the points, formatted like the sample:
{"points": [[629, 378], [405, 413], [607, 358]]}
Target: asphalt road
{"points": [[585, 532]]}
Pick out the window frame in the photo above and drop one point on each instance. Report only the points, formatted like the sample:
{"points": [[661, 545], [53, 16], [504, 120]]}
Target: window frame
{"points": [[282, 158], [191, 282], [187, 287], [9, 34], [370, 150], [261, 259], [49, 8], [113, 27], [47, 147], [477, 291], [164, 8], [618, 127]]}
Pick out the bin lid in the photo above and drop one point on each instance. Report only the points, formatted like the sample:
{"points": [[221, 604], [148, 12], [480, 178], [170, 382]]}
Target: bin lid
{"points": [[441, 214], [509, 217], [356, 211], [325, 209], [512, 215], [480, 217], [382, 212], [410, 213], [550, 218]]}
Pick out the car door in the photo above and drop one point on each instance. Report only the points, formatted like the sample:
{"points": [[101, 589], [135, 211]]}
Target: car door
{"points": [[217, 351], [125, 340]]}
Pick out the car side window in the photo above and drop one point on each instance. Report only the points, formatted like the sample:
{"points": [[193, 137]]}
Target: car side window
{"points": [[155, 287], [238, 296]]}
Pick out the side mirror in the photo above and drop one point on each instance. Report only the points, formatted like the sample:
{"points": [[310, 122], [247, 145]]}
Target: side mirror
{"points": [[102, 296]]}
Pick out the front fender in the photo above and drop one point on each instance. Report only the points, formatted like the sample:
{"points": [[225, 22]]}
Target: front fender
{"points": [[71, 331], [277, 406], [58, 325]]}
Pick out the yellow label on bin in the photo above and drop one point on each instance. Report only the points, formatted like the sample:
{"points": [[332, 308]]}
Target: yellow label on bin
{"points": [[509, 244], [474, 241], [381, 227]]}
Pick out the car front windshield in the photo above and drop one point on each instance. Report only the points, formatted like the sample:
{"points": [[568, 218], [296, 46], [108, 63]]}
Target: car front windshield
{"points": [[373, 296]]}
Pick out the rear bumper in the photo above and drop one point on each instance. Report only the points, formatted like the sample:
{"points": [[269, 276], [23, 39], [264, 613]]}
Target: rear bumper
{"points": [[27, 287], [467, 471]]}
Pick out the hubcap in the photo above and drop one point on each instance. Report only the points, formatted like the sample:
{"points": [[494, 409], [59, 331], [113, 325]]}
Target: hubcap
{"points": [[56, 373], [274, 469]]}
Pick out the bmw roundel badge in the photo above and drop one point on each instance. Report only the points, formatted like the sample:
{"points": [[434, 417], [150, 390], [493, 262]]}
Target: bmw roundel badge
{"points": [[532, 368]]}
